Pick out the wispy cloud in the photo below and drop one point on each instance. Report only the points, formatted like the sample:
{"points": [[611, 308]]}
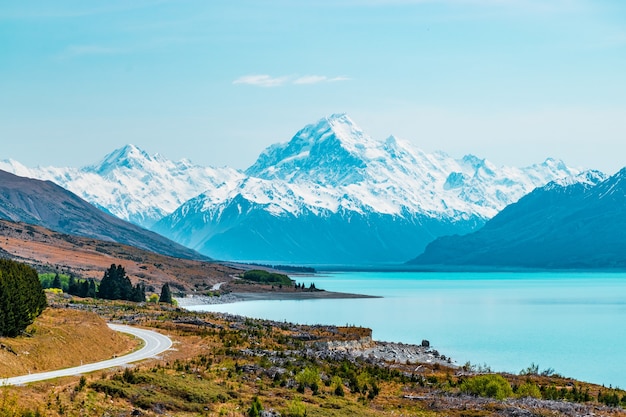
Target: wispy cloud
{"points": [[264, 80], [316, 79]]}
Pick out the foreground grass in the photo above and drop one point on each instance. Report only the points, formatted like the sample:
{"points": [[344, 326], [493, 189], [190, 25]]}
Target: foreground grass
{"points": [[61, 338], [232, 366]]}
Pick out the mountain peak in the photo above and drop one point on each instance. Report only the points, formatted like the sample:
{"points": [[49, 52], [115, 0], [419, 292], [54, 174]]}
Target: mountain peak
{"points": [[589, 178], [328, 150], [126, 156]]}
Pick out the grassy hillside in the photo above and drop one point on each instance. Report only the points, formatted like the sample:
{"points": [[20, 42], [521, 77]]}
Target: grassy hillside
{"points": [[232, 366], [61, 338]]}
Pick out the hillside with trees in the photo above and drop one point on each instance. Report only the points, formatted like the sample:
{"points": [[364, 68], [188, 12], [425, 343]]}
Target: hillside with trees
{"points": [[21, 297]]}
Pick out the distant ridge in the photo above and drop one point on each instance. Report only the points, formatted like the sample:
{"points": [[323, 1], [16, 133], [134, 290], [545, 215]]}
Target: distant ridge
{"points": [[46, 204], [564, 225]]}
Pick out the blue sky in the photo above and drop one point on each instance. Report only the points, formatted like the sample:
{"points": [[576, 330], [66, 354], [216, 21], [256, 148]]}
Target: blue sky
{"points": [[217, 81]]}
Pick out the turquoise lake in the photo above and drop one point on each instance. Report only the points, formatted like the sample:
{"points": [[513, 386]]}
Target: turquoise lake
{"points": [[573, 323]]}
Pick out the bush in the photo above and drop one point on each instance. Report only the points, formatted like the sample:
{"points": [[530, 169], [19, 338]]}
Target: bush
{"points": [[528, 389], [296, 409], [494, 386], [264, 277], [309, 377]]}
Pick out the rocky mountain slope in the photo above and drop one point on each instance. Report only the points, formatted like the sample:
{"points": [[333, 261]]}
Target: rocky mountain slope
{"points": [[566, 224], [44, 203]]}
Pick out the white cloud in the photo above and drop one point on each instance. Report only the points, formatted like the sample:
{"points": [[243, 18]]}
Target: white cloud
{"points": [[310, 79], [264, 80]]}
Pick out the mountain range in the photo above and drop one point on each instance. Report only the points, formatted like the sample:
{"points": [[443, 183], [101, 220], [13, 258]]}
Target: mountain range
{"points": [[332, 194], [132, 185], [574, 224], [46, 204]]}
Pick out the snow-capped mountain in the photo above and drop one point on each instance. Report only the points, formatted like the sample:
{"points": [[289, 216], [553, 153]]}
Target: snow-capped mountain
{"points": [[133, 185], [578, 223], [332, 194]]}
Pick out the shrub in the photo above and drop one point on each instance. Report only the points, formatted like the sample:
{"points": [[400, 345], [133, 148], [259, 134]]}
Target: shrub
{"points": [[296, 409], [528, 389], [309, 377], [494, 386]]}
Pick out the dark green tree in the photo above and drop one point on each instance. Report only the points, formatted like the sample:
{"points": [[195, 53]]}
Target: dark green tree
{"points": [[83, 288], [166, 294], [139, 293], [21, 297], [56, 282], [92, 292], [73, 286], [115, 285]]}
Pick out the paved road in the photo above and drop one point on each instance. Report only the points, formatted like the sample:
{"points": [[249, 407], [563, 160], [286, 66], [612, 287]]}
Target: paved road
{"points": [[154, 343]]}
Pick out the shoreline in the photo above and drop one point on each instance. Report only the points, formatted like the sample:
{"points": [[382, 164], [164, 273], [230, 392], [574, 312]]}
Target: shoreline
{"points": [[236, 297]]}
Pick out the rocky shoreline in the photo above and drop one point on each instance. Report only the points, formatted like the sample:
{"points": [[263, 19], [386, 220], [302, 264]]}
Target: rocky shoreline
{"points": [[235, 297]]}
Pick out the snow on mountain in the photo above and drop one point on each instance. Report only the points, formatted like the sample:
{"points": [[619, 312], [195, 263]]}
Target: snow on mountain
{"points": [[133, 185], [567, 224], [333, 164], [370, 200], [330, 194]]}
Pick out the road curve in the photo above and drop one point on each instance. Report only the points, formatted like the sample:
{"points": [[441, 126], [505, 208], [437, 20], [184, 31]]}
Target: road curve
{"points": [[154, 343]]}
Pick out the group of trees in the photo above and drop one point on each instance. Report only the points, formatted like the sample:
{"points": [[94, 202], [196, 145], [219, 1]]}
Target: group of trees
{"points": [[81, 287], [115, 285], [265, 277], [21, 297]]}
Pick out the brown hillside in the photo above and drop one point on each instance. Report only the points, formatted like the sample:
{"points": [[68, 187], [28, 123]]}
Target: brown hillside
{"points": [[50, 251], [55, 343]]}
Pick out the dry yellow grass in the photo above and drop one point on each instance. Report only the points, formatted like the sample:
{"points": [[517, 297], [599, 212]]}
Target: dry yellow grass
{"points": [[62, 338]]}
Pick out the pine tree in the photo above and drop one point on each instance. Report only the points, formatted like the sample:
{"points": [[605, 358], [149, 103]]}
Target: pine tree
{"points": [[92, 289], [21, 297], [73, 286], [83, 289], [56, 282], [139, 293], [166, 294]]}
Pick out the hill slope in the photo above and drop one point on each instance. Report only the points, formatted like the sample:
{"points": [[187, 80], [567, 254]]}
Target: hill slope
{"points": [[46, 204], [561, 225], [49, 251]]}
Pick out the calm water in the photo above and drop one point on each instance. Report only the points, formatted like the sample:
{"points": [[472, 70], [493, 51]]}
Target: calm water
{"points": [[573, 323]]}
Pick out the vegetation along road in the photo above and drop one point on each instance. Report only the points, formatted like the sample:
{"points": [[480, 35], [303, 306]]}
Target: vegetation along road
{"points": [[154, 343]]}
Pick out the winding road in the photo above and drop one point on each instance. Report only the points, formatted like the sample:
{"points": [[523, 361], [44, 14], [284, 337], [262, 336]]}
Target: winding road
{"points": [[154, 343]]}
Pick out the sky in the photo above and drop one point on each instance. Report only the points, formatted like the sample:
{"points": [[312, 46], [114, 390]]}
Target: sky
{"points": [[512, 81]]}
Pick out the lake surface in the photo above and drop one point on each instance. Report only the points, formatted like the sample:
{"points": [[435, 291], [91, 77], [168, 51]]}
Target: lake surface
{"points": [[574, 323]]}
